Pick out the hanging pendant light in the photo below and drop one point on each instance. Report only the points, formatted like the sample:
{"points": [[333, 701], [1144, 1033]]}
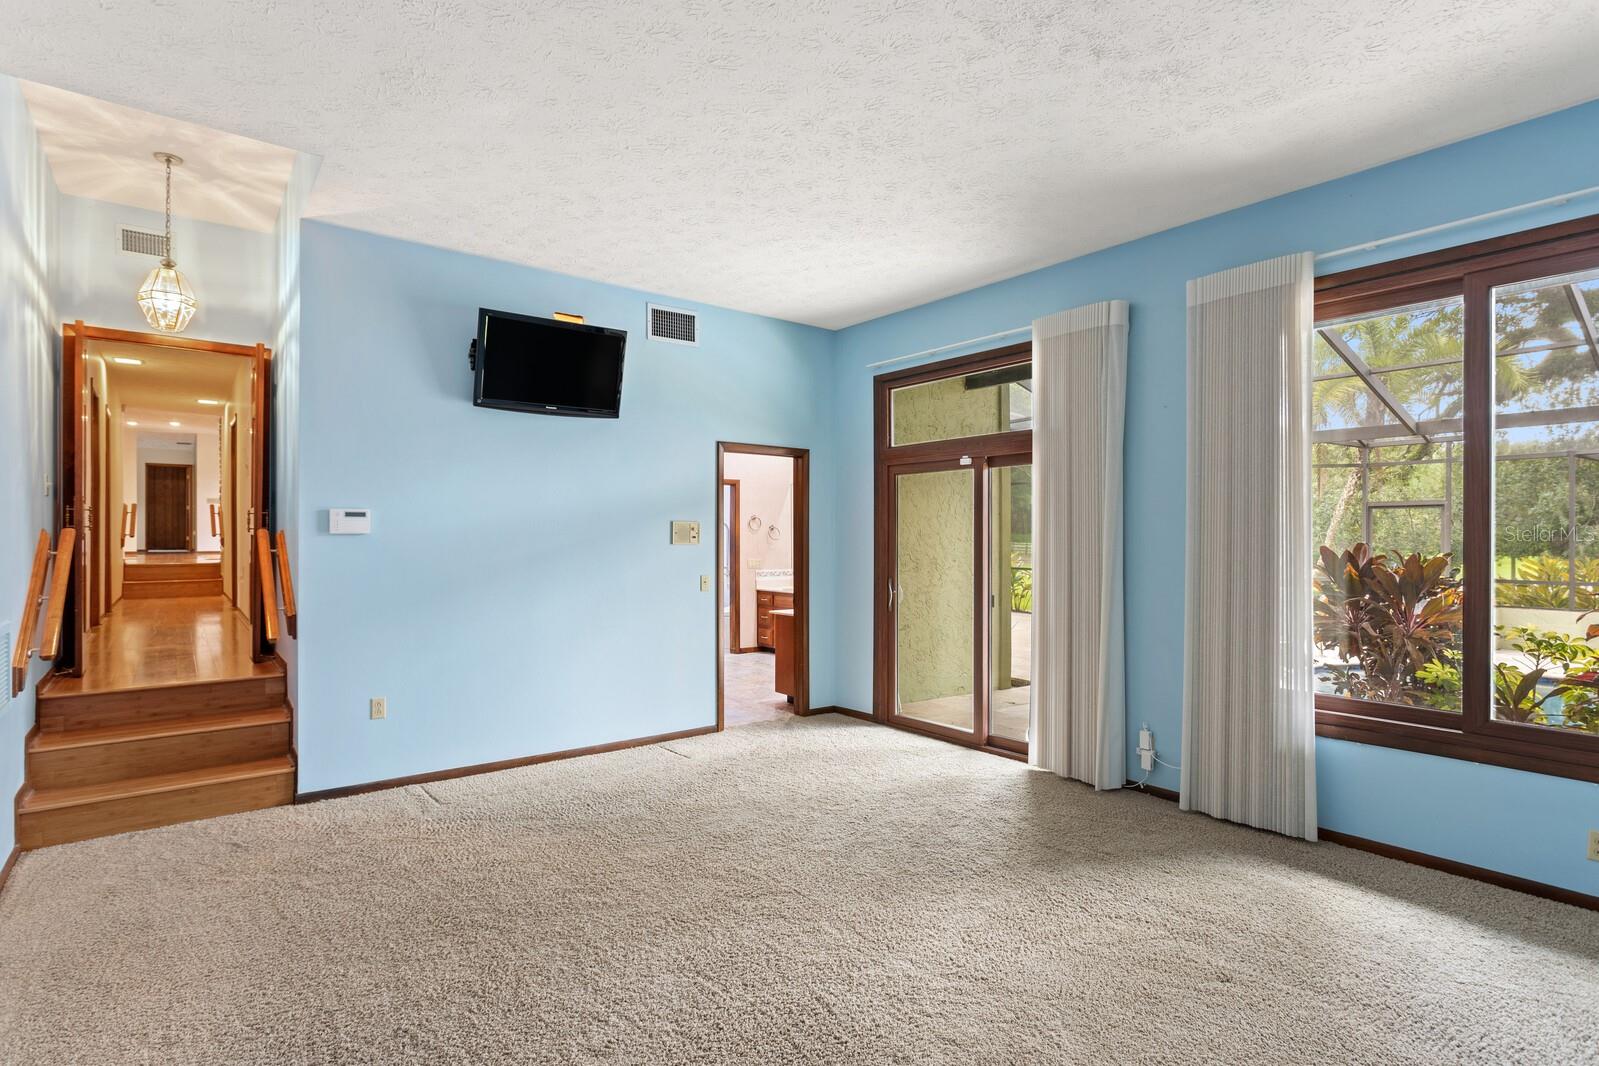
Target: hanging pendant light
{"points": [[165, 297]]}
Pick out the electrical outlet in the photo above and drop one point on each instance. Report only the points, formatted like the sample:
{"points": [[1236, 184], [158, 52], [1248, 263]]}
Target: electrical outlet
{"points": [[1146, 749], [380, 707], [705, 582], [1593, 845]]}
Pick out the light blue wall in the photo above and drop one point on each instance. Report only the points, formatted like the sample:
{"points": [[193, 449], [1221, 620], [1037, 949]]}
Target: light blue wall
{"points": [[28, 361], [230, 267], [1459, 810], [518, 594]]}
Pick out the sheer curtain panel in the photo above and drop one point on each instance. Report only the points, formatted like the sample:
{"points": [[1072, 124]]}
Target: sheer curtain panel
{"points": [[1079, 712], [1249, 686]]}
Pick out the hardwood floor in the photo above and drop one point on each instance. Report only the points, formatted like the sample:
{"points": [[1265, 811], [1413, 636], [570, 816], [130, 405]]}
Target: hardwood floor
{"points": [[172, 641], [170, 558], [171, 721]]}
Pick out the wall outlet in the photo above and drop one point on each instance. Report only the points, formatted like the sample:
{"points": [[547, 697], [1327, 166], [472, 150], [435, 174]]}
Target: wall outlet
{"points": [[379, 707], [705, 582], [1593, 845], [1146, 748]]}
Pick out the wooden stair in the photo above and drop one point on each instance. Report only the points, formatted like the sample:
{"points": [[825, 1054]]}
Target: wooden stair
{"points": [[144, 581], [113, 761]]}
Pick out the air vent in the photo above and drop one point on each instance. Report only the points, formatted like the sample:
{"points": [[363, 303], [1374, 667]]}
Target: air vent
{"points": [[674, 326], [140, 242]]}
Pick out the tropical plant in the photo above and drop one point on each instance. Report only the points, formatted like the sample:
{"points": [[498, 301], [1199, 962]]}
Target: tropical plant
{"points": [[1021, 588], [1387, 621]]}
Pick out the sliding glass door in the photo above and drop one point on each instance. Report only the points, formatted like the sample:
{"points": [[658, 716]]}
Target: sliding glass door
{"points": [[934, 594], [954, 552]]}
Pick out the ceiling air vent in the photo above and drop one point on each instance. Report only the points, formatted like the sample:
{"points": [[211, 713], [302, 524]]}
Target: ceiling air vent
{"points": [[140, 242], [674, 326]]}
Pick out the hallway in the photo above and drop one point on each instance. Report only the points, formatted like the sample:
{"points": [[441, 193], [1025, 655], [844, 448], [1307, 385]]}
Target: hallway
{"points": [[149, 643]]}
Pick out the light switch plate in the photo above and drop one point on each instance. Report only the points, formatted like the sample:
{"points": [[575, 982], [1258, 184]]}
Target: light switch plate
{"points": [[705, 582], [684, 532], [1593, 845], [379, 707]]}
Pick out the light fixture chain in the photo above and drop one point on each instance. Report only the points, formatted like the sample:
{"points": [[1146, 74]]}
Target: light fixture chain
{"points": [[169, 207]]}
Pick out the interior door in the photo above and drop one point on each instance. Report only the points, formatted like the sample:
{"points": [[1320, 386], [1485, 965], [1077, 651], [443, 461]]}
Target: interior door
{"points": [[168, 492], [93, 535], [75, 506], [259, 516]]}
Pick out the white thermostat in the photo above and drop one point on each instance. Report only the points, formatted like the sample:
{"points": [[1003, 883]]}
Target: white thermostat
{"points": [[349, 520]]}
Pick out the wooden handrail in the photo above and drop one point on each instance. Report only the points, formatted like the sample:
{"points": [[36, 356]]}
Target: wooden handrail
{"points": [[213, 518], [50, 643], [289, 611], [123, 542], [269, 592], [23, 651]]}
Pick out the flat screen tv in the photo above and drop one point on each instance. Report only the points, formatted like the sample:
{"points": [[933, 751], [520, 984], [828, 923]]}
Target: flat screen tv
{"points": [[547, 367]]}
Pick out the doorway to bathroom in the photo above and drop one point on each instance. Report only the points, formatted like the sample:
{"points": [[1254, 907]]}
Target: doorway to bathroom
{"points": [[762, 583]]}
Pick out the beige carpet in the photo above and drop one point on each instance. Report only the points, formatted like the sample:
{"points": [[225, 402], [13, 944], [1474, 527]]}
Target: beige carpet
{"points": [[808, 891]]}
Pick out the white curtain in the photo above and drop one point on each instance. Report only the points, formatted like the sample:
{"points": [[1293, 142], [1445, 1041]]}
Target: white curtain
{"points": [[1248, 693], [1079, 406]]}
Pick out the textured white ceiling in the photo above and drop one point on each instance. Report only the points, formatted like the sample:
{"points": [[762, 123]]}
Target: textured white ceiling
{"points": [[819, 161], [105, 151]]}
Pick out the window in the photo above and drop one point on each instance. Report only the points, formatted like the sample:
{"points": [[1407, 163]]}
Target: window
{"points": [[1456, 502]]}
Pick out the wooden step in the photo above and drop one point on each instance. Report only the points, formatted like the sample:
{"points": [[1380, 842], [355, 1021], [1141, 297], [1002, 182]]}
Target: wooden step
{"points": [[142, 572], [144, 749], [61, 815], [62, 711], [146, 589]]}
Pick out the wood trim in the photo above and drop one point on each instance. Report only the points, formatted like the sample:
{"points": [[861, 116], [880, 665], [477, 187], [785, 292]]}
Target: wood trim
{"points": [[163, 340], [1432, 275], [802, 569], [1432, 862], [22, 640], [1461, 869], [262, 573], [263, 597], [290, 611], [56, 622], [503, 764], [10, 864], [735, 568]]}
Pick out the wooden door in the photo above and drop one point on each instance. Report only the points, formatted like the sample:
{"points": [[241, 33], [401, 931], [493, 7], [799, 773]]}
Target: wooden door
{"points": [[73, 508], [262, 599], [93, 534], [168, 502], [230, 513]]}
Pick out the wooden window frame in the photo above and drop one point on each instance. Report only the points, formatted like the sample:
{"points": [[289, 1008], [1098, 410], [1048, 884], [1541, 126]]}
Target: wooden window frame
{"points": [[1470, 272], [986, 450]]}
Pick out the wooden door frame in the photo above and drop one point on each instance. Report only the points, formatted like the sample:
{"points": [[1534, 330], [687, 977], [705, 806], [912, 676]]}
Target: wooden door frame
{"points": [[188, 503], [889, 459], [735, 634], [95, 524], [72, 469], [801, 489]]}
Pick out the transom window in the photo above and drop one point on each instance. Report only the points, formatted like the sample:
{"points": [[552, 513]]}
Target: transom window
{"points": [[1456, 502]]}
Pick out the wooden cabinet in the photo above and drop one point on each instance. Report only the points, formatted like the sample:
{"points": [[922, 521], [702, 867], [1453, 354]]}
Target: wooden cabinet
{"points": [[783, 629], [765, 603]]}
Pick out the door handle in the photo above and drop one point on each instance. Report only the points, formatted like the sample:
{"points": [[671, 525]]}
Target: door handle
{"points": [[890, 595]]}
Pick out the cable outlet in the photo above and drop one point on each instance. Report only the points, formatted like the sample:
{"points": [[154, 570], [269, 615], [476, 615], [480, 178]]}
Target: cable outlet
{"points": [[1593, 845], [380, 707]]}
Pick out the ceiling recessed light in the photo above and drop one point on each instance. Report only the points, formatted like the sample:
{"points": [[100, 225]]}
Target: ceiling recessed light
{"points": [[174, 424], [125, 361], [211, 403], [131, 422]]}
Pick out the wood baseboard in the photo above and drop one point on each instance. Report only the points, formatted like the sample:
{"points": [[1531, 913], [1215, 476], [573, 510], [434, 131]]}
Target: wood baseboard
{"points": [[11, 861], [849, 712], [503, 764], [1433, 862]]}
